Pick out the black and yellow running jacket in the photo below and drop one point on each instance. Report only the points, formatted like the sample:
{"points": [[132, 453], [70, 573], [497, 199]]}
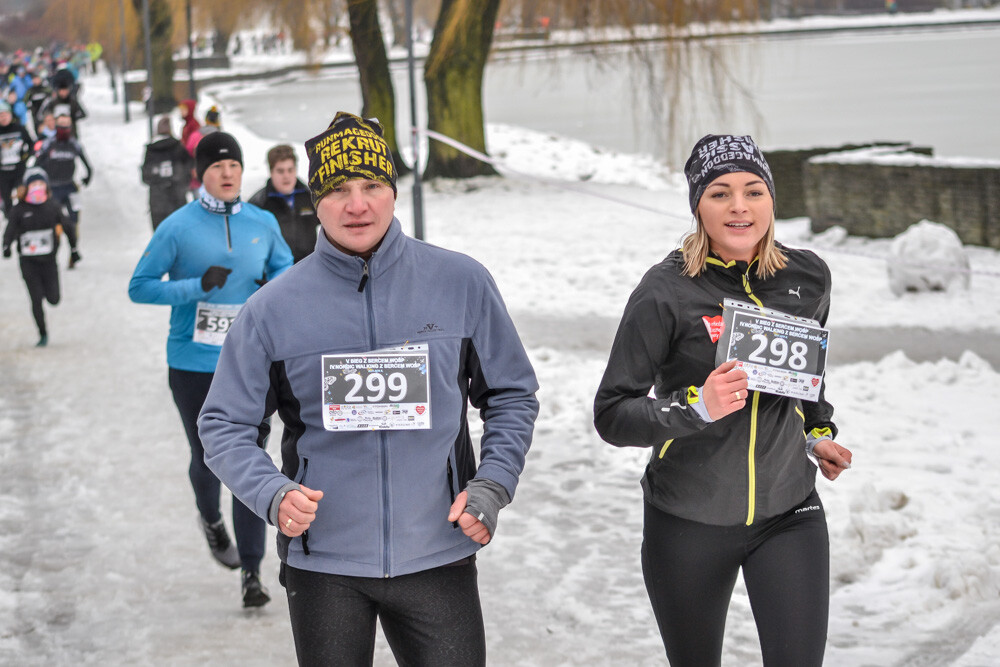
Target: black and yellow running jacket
{"points": [[742, 468]]}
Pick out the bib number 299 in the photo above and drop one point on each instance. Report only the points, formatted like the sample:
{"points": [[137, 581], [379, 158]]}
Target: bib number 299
{"points": [[374, 387]]}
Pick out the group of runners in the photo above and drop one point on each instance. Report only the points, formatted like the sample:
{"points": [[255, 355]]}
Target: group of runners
{"points": [[310, 302], [40, 152]]}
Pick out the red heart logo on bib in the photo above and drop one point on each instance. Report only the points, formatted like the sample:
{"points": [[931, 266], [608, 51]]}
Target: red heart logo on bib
{"points": [[420, 409]]}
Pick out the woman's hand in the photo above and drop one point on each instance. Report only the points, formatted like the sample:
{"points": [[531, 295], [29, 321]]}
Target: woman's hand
{"points": [[725, 390], [298, 510], [832, 458]]}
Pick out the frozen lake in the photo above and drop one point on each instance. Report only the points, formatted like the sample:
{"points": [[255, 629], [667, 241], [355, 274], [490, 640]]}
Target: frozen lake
{"points": [[932, 86]]}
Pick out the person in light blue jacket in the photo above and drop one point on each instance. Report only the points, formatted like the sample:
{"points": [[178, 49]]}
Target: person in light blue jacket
{"points": [[371, 349], [215, 251]]}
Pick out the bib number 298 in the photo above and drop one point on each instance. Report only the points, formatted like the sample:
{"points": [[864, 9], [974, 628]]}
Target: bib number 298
{"points": [[779, 351]]}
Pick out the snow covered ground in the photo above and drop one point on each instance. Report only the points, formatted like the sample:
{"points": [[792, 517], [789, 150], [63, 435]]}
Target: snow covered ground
{"points": [[101, 560]]}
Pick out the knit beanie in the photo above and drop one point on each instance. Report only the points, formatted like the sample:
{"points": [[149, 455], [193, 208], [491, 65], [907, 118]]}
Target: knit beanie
{"points": [[718, 154], [4, 107], [212, 115], [351, 147], [34, 174], [215, 147]]}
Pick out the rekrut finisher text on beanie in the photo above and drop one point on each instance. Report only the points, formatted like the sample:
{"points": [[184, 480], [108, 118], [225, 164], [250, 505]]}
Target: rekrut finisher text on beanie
{"points": [[215, 147], [351, 147], [718, 154]]}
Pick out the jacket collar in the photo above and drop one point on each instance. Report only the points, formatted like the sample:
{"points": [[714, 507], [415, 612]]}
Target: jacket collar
{"points": [[352, 266]]}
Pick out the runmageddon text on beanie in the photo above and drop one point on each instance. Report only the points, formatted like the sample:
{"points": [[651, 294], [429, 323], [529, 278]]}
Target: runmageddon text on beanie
{"points": [[351, 147], [215, 147], [718, 154]]}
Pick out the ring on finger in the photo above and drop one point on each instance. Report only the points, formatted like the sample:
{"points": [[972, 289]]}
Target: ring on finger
{"points": [[737, 395], [288, 523]]}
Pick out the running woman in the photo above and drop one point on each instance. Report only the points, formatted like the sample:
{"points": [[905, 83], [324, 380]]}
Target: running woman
{"points": [[729, 484]]}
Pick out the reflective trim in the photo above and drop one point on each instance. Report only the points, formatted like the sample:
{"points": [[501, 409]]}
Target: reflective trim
{"points": [[664, 449]]}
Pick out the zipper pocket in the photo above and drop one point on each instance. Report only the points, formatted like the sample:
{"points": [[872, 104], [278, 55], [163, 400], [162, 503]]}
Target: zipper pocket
{"points": [[305, 534], [451, 488]]}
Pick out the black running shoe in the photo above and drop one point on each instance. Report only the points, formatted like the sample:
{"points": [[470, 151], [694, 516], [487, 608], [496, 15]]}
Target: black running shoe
{"points": [[223, 549], [254, 593]]}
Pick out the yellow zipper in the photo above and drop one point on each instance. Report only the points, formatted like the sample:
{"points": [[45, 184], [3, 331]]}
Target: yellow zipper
{"points": [[751, 453], [751, 463]]}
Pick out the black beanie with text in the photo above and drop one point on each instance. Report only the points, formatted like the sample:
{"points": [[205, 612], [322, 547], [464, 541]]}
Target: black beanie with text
{"points": [[718, 154]]}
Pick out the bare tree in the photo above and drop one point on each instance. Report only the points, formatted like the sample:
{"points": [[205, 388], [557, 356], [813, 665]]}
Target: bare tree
{"points": [[453, 76], [377, 92]]}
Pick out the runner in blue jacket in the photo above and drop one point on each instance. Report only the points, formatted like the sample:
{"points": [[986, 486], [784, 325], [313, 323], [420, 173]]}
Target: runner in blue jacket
{"points": [[370, 349], [216, 251]]}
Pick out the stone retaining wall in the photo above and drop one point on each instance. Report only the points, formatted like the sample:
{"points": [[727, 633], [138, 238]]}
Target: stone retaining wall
{"points": [[881, 192], [788, 169]]}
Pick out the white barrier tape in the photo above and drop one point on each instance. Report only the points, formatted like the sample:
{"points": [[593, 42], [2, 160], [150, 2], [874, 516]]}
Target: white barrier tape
{"points": [[554, 182], [573, 187]]}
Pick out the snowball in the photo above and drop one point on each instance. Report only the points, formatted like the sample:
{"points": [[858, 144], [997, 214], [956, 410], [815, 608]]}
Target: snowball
{"points": [[927, 257]]}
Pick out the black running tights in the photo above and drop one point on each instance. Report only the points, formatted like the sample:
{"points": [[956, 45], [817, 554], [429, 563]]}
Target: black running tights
{"points": [[690, 569], [430, 619]]}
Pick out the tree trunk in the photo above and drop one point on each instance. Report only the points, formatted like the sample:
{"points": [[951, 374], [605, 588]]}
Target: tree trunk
{"points": [[161, 28], [378, 98], [453, 76], [397, 16]]}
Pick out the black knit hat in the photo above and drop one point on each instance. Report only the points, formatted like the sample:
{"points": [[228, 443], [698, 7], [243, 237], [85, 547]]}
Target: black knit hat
{"points": [[351, 147], [718, 154], [214, 147]]}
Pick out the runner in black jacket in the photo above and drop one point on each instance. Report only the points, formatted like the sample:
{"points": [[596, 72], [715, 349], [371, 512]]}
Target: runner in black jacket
{"points": [[15, 149], [729, 484], [166, 169], [288, 199], [36, 223]]}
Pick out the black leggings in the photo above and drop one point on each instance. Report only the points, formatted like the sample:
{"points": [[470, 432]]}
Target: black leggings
{"points": [[41, 277], [430, 619], [190, 390], [690, 569]]}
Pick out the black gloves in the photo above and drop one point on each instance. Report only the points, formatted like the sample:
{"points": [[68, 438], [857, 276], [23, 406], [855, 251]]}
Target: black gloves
{"points": [[6, 251], [215, 276], [74, 257], [262, 280], [86, 180]]}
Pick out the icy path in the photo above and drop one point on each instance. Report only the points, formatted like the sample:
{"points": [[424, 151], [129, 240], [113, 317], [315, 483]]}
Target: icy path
{"points": [[101, 561]]}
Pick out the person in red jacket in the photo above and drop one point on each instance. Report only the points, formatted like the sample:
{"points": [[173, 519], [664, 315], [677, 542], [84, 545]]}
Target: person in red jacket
{"points": [[191, 123]]}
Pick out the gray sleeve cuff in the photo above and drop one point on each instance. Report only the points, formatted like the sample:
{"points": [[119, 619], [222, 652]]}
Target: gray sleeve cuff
{"points": [[485, 500], [812, 441], [699, 407], [272, 514]]}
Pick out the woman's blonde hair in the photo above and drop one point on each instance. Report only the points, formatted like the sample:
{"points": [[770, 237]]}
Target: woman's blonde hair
{"points": [[696, 246]]}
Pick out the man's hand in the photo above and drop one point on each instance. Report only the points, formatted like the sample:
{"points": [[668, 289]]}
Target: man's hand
{"points": [[474, 528], [297, 510]]}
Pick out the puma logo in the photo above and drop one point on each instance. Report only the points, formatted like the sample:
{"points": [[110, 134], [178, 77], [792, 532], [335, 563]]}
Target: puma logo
{"points": [[796, 291]]}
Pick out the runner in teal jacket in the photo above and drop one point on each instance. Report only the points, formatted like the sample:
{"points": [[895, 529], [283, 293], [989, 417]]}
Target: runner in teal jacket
{"points": [[215, 252], [200, 234]]}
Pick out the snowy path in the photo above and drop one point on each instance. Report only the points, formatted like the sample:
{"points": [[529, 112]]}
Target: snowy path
{"points": [[101, 561]]}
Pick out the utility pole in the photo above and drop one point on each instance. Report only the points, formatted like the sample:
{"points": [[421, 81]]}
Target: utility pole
{"points": [[149, 66], [191, 90], [121, 18], [418, 195]]}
